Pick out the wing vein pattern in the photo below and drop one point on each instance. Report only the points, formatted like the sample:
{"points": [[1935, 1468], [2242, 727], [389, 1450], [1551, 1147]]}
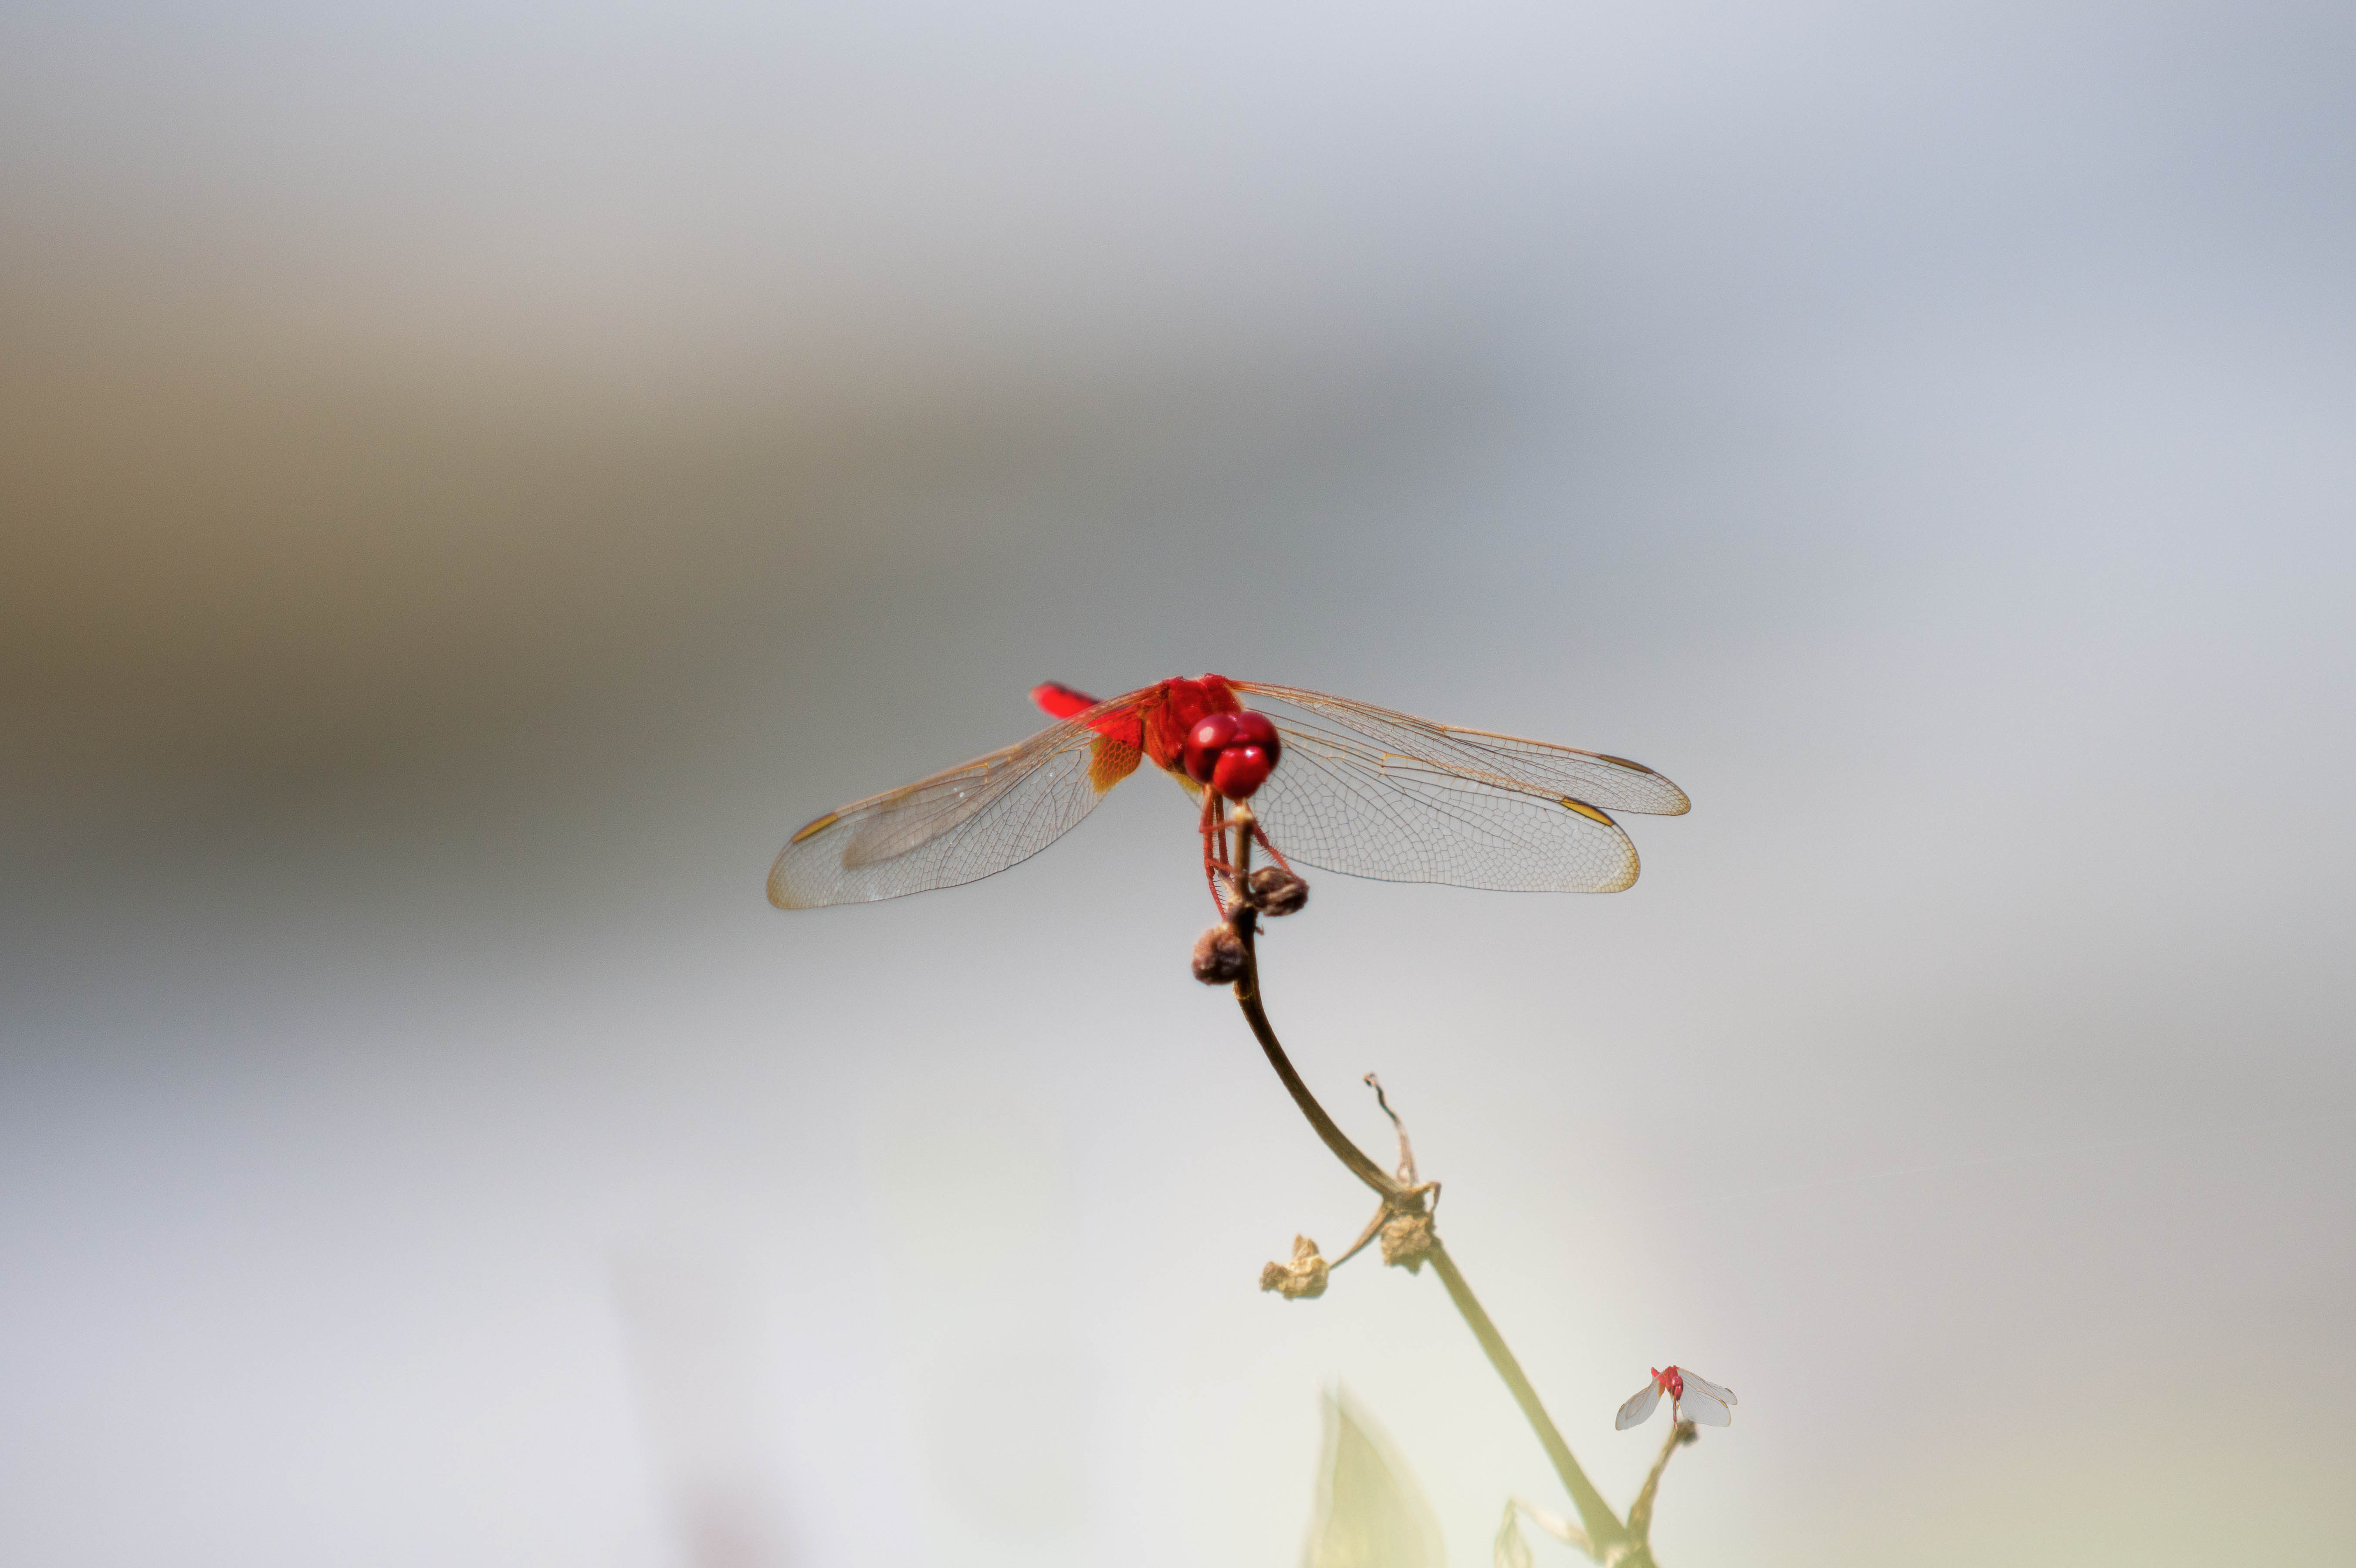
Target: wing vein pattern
{"points": [[959, 826], [1372, 793]]}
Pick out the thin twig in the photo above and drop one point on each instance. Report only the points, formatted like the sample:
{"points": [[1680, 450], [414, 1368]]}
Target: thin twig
{"points": [[1247, 923], [1603, 1526], [1248, 994], [1407, 1149], [1374, 1228], [1640, 1512]]}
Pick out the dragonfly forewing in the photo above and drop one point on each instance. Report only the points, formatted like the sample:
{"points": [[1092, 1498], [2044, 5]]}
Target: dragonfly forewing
{"points": [[1593, 778], [1706, 1389], [1640, 1406]]}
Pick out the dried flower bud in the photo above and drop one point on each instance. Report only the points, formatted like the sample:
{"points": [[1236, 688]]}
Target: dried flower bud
{"points": [[1406, 1239], [1303, 1277], [1275, 891], [1687, 1433], [1219, 956]]}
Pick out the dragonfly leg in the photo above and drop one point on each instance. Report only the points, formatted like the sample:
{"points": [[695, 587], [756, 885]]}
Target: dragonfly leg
{"points": [[1274, 853], [1215, 862], [1220, 859]]}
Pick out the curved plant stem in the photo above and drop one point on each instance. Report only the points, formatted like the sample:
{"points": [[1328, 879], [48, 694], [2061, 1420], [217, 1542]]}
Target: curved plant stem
{"points": [[1348, 1153], [1603, 1526], [1247, 923], [1595, 1515], [1640, 1512]]}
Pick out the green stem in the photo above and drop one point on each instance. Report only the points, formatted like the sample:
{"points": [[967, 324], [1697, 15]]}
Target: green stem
{"points": [[1640, 1512], [1603, 1526], [1595, 1515]]}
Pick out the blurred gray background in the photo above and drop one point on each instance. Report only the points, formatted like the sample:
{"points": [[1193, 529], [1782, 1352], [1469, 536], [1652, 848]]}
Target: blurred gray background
{"points": [[476, 478]]}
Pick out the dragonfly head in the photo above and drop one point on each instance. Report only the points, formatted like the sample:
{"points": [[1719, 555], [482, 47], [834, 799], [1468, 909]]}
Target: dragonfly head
{"points": [[1233, 753], [1672, 1383]]}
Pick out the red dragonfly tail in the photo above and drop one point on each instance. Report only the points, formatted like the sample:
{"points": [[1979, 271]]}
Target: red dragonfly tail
{"points": [[1060, 700]]}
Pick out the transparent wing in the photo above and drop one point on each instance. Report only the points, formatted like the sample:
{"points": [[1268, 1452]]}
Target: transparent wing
{"points": [[1705, 1387], [959, 826], [1638, 1407], [1700, 1407], [1613, 783], [1374, 794]]}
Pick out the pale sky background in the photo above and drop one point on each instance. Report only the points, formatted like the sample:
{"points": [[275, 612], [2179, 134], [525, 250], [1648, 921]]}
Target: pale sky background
{"points": [[476, 478]]}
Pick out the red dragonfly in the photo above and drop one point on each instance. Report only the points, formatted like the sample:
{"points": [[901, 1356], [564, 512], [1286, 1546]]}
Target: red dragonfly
{"points": [[1691, 1398], [1339, 785]]}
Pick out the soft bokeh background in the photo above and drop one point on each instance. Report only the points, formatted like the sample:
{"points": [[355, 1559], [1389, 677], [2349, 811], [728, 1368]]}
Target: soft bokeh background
{"points": [[476, 477]]}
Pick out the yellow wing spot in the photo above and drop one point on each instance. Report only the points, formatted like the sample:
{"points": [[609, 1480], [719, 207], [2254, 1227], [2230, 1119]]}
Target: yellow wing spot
{"points": [[821, 826], [1113, 761], [1586, 810]]}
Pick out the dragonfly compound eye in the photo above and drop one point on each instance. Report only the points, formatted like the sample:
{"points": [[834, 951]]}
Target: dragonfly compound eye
{"points": [[1254, 728], [1241, 770], [1205, 741]]}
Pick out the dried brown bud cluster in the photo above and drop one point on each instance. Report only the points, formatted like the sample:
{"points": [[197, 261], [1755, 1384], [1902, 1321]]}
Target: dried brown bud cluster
{"points": [[1304, 1277], [1276, 891], [1219, 956], [1406, 1239]]}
